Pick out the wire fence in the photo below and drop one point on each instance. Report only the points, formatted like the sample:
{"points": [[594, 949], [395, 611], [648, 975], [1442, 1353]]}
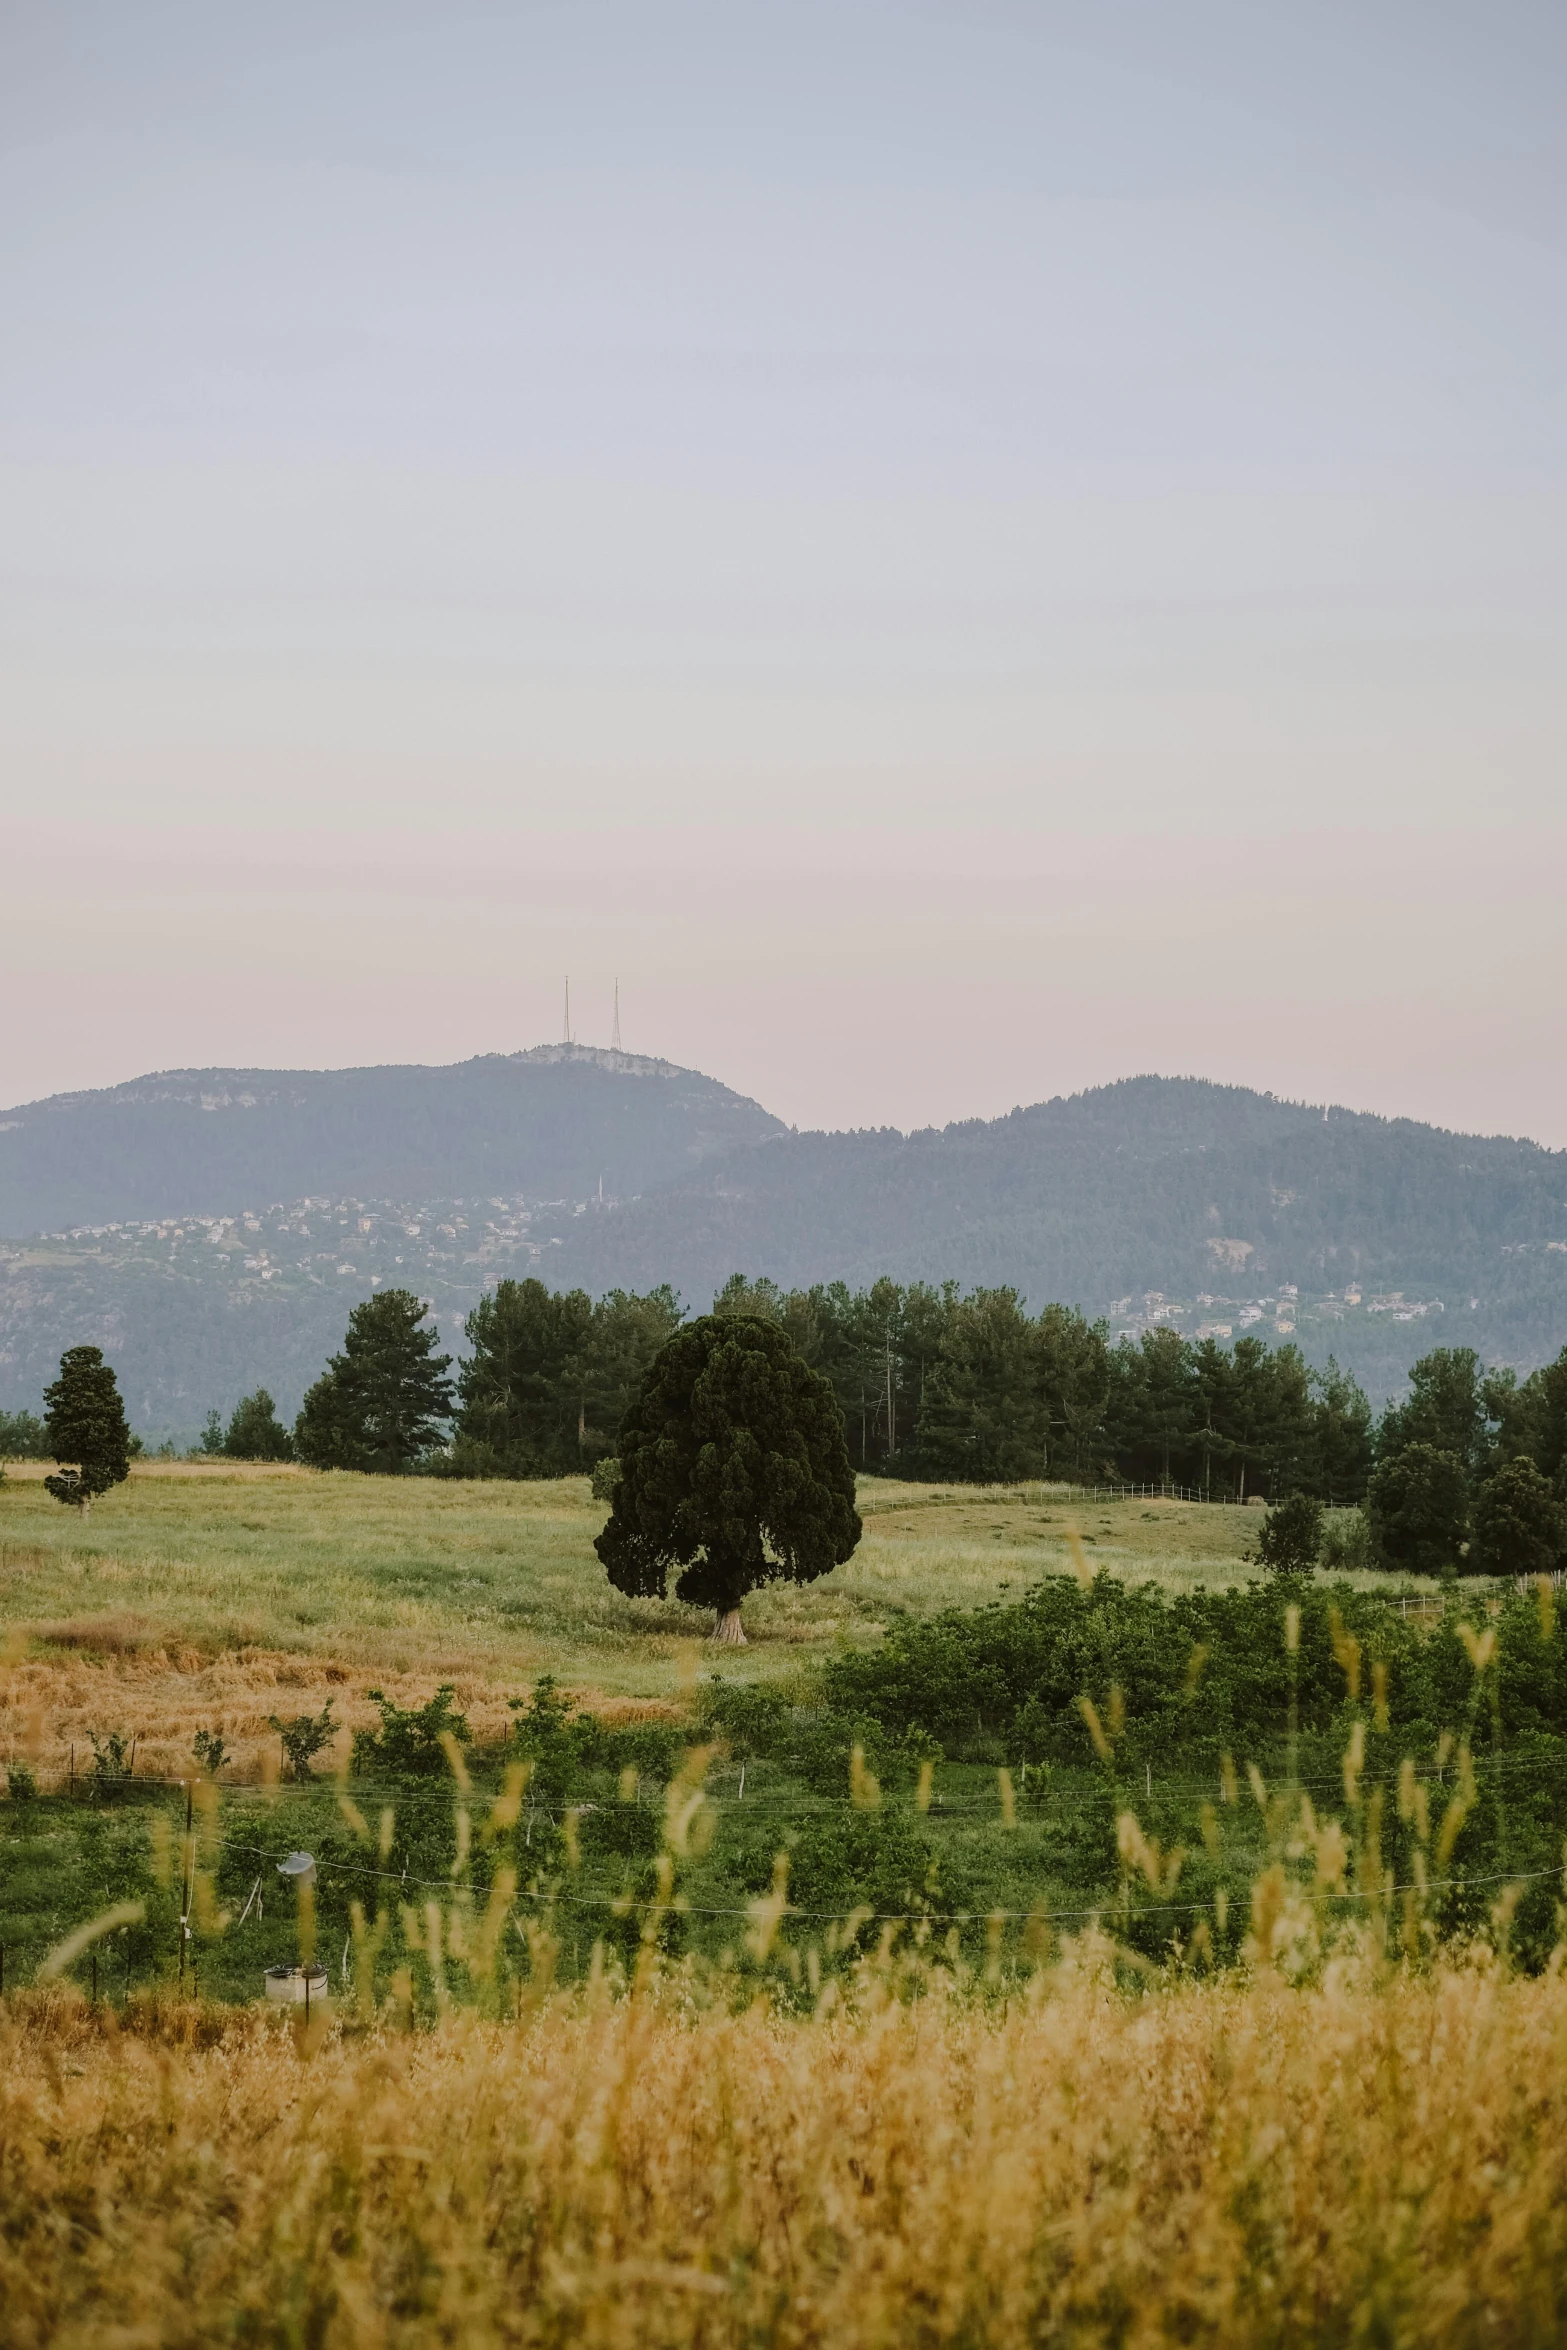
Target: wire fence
{"points": [[1023, 1792], [1161, 1489]]}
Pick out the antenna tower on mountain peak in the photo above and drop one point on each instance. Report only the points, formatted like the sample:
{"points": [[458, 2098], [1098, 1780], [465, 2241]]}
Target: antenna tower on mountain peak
{"points": [[614, 1041], [565, 1026]]}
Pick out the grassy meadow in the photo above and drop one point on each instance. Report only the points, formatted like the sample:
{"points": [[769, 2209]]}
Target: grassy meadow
{"points": [[194, 1591], [218, 1597], [659, 2059]]}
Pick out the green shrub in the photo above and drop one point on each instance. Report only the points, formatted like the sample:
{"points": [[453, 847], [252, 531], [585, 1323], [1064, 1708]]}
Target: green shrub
{"points": [[559, 1747], [843, 1859], [606, 1476], [303, 1736], [622, 1830], [750, 1718], [1346, 1542], [1290, 1536], [110, 1762], [651, 1749], [1198, 1675], [408, 1743], [823, 1745]]}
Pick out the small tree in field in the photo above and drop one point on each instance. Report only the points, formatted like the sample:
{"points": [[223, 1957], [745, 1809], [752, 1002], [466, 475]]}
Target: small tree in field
{"points": [[85, 1428], [733, 1468], [255, 1433], [1289, 1540]]}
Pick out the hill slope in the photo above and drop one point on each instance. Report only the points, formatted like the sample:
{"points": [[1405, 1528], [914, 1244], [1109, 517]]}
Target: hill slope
{"points": [[1153, 1199], [1201, 1206], [554, 1123]]}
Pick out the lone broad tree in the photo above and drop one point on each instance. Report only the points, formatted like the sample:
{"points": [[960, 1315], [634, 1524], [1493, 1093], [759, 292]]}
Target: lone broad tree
{"points": [[733, 1467], [85, 1428]]}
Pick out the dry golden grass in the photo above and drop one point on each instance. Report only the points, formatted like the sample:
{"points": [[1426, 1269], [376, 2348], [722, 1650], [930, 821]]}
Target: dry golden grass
{"points": [[51, 1705], [1366, 2155], [492, 1583], [1232, 2163]]}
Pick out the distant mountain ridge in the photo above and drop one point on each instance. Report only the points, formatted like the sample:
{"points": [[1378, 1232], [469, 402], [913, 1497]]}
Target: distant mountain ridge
{"points": [[1130, 1186], [556, 1122], [1150, 1199], [220, 1223]]}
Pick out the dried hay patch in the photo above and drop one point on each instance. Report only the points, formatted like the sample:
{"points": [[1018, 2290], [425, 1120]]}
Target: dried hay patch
{"points": [[118, 1634], [120, 1674], [625, 1713]]}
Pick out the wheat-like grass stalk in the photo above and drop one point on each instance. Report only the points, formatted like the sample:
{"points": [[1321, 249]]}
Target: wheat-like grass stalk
{"points": [[1230, 2162]]}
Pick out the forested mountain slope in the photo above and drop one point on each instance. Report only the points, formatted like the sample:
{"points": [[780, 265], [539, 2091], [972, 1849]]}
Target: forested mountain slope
{"points": [[555, 1123], [226, 1244], [1153, 1199]]}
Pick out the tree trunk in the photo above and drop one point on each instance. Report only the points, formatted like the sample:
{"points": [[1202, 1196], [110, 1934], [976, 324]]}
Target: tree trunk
{"points": [[728, 1628]]}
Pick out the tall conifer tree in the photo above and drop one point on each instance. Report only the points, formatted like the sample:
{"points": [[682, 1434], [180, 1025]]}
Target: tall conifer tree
{"points": [[381, 1402], [85, 1428]]}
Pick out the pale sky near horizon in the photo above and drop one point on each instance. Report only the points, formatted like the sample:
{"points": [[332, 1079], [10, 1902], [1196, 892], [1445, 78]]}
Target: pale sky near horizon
{"points": [[963, 552]]}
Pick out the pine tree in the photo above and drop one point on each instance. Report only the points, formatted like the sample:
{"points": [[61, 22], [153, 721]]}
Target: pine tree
{"points": [[380, 1403], [986, 1415], [521, 1394], [1445, 1410], [255, 1433], [86, 1429], [1341, 1446], [549, 1377]]}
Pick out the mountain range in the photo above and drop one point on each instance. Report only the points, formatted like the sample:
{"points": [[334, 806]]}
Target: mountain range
{"points": [[558, 1122], [210, 1229]]}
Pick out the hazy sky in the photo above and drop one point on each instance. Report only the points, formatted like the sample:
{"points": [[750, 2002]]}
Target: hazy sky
{"points": [[963, 550]]}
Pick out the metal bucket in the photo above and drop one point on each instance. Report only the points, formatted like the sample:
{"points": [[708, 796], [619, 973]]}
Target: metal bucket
{"points": [[289, 1984]]}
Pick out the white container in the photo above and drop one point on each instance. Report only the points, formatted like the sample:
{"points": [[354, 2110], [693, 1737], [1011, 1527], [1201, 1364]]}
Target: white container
{"points": [[287, 1984]]}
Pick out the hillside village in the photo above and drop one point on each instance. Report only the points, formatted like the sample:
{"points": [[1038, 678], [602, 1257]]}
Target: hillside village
{"points": [[1280, 1314]]}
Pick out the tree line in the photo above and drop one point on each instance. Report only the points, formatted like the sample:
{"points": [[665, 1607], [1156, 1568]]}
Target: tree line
{"points": [[1472, 1463], [947, 1386], [941, 1386], [932, 1384]]}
